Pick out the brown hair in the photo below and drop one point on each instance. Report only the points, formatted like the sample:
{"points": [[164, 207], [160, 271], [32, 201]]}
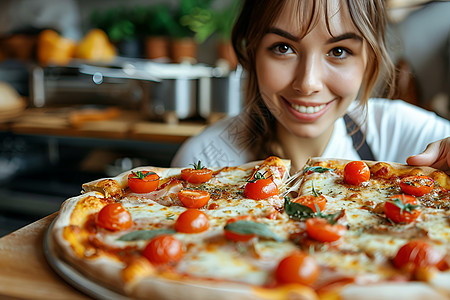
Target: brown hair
{"points": [[257, 16]]}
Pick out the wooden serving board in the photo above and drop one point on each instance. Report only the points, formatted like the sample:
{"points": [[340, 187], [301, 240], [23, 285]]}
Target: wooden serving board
{"points": [[24, 272]]}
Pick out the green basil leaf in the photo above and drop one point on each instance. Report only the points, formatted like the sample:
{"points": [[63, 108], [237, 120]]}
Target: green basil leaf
{"points": [[297, 211], [251, 227], [331, 218], [300, 212], [317, 169], [144, 234]]}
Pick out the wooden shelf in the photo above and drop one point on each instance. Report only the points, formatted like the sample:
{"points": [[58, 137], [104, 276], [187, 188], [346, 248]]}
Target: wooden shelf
{"points": [[129, 125]]}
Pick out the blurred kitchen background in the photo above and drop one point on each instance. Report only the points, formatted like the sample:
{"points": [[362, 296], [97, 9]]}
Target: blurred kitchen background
{"points": [[89, 89]]}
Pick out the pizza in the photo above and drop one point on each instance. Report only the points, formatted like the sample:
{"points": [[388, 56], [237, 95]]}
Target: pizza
{"points": [[336, 229]]}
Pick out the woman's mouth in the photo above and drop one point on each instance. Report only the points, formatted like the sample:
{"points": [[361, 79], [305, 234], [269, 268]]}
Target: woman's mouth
{"points": [[308, 109], [307, 112]]}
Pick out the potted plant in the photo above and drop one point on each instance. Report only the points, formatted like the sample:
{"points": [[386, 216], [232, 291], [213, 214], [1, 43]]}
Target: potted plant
{"points": [[158, 21], [119, 24], [206, 22], [183, 45], [225, 20]]}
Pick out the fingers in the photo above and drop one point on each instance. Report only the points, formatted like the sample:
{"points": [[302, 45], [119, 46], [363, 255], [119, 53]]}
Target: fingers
{"points": [[426, 158], [436, 155]]}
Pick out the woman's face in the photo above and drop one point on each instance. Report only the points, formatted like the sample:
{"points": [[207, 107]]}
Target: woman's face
{"points": [[308, 83]]}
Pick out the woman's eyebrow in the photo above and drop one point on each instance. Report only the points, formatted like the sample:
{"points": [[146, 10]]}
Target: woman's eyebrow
{"points": [[345, 36], [283, 33], [334, 39]]}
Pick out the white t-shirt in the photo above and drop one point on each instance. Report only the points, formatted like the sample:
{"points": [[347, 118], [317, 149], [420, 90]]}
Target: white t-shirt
{"points": [[395, 130]]}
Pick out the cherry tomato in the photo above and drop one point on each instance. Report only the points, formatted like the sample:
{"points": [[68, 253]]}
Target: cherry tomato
{"points": [[311, 201], [196, 176], [194, 198], [258, 189], [356, 172], [402, 209], [163, 249], [297, 268], [143, 181], [417, 185], [322, 231], [114, 217], [235, 236], [192, 221], [417, 254]]}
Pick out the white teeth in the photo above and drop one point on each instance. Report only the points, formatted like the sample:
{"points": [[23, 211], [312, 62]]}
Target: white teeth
{"points": [[308, 109]]}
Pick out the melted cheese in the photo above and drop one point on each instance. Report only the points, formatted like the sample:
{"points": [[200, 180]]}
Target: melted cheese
{"points": [[371, 240]]}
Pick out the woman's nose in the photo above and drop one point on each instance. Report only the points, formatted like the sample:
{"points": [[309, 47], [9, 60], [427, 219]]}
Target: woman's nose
{"points": [[308, 75]]}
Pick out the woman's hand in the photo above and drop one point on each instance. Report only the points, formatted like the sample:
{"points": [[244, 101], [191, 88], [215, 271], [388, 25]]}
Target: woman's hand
{"points": [[437, 155]]}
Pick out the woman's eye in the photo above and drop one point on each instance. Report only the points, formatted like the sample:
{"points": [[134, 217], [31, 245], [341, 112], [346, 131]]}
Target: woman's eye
{"points": [[281, 49], [339, 52]]}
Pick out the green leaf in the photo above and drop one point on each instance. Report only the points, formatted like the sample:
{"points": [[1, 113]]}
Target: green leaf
{"points": [[144, 234], [198, 165], [331, 218], [297, 211], [141, 175], [251, 227], [408, 207], [315, 193], [302, 212], [258, 175], [317, 169]]}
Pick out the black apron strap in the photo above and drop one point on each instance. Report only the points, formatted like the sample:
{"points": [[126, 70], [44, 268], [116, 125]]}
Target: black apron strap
{"points": [[359, 142]]}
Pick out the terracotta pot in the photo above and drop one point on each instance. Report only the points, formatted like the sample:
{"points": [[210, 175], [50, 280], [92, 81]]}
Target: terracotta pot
{"points": [[157, 47], [19, 46], [184, 50], [225, 51]]}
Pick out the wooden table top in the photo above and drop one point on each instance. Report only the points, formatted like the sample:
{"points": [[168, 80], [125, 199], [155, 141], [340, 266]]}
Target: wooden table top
{"points": [[24, 272], [126, 125]]}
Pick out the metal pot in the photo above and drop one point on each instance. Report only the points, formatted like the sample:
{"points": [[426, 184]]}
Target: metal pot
{"points": [[171, 99], [225, 96]]}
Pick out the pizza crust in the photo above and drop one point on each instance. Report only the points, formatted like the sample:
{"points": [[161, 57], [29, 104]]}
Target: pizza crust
{"points": [[439, 176], [110, 186], [401, 167], [392, 291]]}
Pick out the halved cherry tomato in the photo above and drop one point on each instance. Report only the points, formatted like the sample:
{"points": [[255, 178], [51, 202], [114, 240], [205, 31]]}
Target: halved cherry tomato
{"points": [[260, 188], [197, 174], [356, 172], [311, 201], [322, 231], [143, 181], [297, 268], [192, 221], [114, 217], [402, 209], [417, 185], [163, 249], [417, 254], [238, 237], [194, 198]]}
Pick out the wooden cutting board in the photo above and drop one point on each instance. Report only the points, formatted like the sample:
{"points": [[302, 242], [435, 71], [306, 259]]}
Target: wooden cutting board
{"points": [[24, 272]]}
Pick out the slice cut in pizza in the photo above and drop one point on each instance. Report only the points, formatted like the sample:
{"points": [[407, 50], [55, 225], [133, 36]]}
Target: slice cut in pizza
{"points": [[335, 230]]}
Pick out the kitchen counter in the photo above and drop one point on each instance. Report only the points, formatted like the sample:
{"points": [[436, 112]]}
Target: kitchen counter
{"points": [[25, 273], [127, 125]]}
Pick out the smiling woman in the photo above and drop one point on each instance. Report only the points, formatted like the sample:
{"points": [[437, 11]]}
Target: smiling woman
{"points": [[322, 74], [311, 67]]}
